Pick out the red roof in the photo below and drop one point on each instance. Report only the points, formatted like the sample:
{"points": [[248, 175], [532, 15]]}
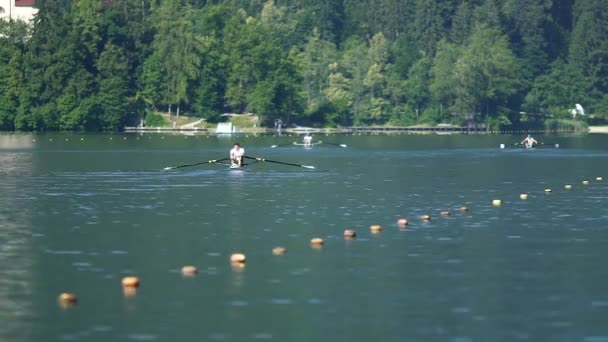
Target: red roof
{"points": [[25, 2]]}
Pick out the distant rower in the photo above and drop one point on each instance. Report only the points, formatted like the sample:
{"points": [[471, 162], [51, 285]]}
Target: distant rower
{"points": [[529, 141], [307, 140], [236, 155]]}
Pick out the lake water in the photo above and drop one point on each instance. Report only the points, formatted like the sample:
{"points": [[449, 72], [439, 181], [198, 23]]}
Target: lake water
{"points": [[80, 212]]}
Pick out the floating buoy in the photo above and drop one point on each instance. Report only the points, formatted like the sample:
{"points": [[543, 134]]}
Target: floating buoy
{"points": [[67, 299], [586, 182], [548, 190], [568, 186], [238, 258], [279, 250], [316, 242], [425, 217], [189, 271], [349, 234], [402, 222], [130, 282], [463, 209], [502, 146], [376, 228], [599, 178], [496, 203], [523, 196], [445, 213]]}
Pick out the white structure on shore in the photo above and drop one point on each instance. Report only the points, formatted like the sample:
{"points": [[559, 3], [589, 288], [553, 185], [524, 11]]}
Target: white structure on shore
{"points": [[23, 10]]}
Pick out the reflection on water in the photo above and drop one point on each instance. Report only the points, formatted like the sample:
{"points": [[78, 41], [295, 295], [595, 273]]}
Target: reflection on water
{"points": [[79, 215], [16, 259]]}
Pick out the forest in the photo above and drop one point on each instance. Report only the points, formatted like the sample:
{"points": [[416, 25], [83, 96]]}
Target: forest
{"points": [[101, 65]]}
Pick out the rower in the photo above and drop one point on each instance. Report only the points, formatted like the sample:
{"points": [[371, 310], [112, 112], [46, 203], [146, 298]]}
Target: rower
{"points": [[236, 155], [307, 140], [529, 141]]}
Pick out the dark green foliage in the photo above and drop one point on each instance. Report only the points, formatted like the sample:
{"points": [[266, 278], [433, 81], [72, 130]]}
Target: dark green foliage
{"points": [[94, 65]]}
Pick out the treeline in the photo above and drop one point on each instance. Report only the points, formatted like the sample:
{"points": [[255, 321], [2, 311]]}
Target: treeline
{"points": [[103, 64]]}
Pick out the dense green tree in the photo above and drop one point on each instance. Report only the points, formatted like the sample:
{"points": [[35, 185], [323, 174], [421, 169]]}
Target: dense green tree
{"points": [[487, 74], [100, 65]]}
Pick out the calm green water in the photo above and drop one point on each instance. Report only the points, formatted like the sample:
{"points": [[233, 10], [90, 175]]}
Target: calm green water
{"points": [[77, 215]]}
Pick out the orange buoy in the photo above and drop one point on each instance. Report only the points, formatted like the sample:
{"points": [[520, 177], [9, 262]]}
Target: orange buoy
{"points": [[238, 258], [67, 299], [402, 222], [523, 196], [445, 213], [130, 282], [425, 217], [464, 209], [317, 242], [279, 250], [189, 271], [349, 234], [375, 228]]}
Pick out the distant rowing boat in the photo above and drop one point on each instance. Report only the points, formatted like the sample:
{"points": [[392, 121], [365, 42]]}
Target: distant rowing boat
{"points": [[308, 145]]}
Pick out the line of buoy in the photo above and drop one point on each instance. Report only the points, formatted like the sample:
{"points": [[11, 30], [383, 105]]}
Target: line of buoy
{"points": [[130, 284]]}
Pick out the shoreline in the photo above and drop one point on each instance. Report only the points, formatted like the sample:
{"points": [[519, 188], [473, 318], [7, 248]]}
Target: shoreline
{"points": [[439, 130]]}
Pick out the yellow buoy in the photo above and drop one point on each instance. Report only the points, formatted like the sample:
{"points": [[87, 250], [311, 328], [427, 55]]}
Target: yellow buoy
{"points": [[189, 271], [445, 213], [67, 299], [496, 203], [464, 209], [599, 178], [238, 258], [548, 190], [130, 282], [523, 196], [425, 217], [279, 250], [402, 222], [349, 234], [375, 229], [316, 242], [568, 186]]}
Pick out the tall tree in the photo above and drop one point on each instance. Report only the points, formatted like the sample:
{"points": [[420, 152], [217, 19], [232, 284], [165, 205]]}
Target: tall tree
{"points": [[487, 74]]}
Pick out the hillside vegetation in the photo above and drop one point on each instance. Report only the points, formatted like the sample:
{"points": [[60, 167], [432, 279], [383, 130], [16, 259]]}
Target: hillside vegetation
{"points": [[101, 65]]}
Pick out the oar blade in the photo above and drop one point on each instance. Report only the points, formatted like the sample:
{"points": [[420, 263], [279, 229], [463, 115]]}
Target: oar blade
{"points": [[168, 168], [307, 166], [274, 146], [343, 145]]}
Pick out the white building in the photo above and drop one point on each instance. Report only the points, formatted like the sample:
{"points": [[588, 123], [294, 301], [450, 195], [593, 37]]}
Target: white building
{"points": [[18, 10]]}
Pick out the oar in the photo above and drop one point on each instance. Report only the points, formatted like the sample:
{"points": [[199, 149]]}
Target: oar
{"points": [[213, 161], [278, 162], [341, 145]]}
